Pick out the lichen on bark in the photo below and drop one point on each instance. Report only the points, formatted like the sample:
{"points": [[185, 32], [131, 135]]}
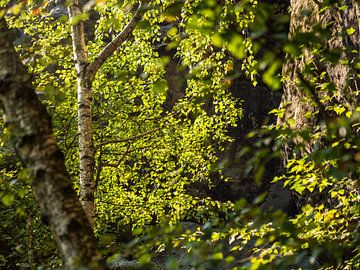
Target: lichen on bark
{"points": [[27, 120]]}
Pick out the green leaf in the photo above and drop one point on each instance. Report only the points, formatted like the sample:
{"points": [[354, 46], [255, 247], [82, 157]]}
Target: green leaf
{"points": [[137, 231], [8, 199], [260, 199], [292, 48], [144, 24], [259, 173], [145, 259], [173, 31], [350, 31], [299, 188], [229, 259], [160, 87], [217, 256], [240, 204], [79, 18], [217, 40], [236, 46], [342, 8], [270, 76]]}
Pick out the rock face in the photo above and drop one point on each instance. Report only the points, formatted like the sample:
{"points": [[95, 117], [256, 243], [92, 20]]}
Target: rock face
{"points": [[122, 264], [279, 198], [257, 103]]}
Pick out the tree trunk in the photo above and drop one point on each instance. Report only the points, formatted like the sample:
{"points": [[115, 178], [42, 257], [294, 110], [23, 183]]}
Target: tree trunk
{"points": [[84, 93], [305, 102], [31, 133], [85, 72]]}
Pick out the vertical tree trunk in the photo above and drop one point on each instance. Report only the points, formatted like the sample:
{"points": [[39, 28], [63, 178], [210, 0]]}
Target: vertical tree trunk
{"points": [[85, 73], [297, 102], [29, 125], [86, 146]]}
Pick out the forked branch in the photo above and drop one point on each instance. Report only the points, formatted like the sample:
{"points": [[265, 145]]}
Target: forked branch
{"points": [[115, 43]]}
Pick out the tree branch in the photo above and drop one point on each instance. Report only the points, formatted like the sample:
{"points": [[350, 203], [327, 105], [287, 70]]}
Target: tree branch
{"points": [[132, 138], [35, 145], [78, 36], [120, 160], [115, 43]]}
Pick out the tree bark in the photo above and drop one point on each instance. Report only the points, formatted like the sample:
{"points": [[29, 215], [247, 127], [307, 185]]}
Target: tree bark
{"points": [[86, 145], [31, 133], [85, 73], [302, 97]]}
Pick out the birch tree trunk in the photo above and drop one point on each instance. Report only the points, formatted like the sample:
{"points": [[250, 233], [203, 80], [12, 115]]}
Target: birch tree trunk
{"points": [[31, 133], [85, 73], [298, 103], [84, 94]]}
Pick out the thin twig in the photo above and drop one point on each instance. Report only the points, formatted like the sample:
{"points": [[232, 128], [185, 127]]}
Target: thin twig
{"points": [[132, 138], [120, 160], [99, 167]]}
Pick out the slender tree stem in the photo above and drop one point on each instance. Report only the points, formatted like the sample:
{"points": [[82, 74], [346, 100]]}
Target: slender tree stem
{"points": [[85, 73], [29, 124]]}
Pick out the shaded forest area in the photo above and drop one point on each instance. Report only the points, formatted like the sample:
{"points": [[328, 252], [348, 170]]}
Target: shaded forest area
{"points": [[194, 134]]}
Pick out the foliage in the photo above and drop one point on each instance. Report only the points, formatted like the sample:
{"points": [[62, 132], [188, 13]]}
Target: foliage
{"points": [[152, 151], [25, 240]]}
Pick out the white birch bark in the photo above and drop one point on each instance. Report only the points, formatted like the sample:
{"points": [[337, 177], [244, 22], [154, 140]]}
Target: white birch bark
{"points": [[31, 133], [84, 95], [85, 73]]}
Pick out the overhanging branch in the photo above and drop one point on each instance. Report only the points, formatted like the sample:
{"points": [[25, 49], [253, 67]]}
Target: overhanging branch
{"points": [[115, 43], [132, 138]]}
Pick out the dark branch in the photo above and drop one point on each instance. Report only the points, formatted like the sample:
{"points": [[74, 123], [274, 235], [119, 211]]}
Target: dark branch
{"points": [[132, 138]]}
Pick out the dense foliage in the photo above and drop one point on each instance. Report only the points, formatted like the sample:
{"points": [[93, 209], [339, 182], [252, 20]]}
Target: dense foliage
{"points": [[163, 111]]}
